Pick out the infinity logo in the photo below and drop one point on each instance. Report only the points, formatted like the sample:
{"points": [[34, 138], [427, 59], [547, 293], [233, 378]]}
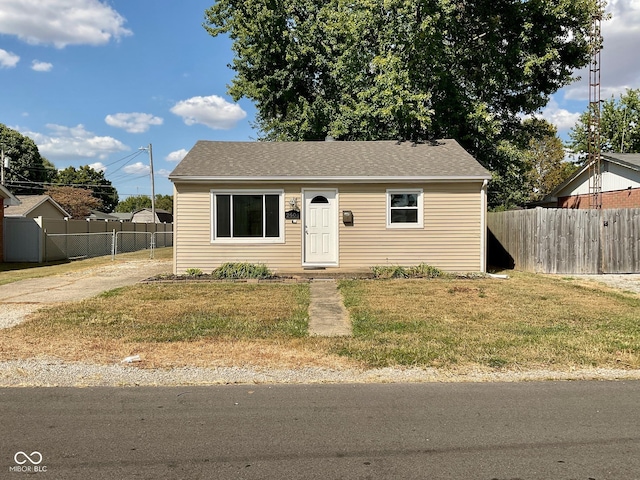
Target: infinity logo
{"points": [[35, 458]]}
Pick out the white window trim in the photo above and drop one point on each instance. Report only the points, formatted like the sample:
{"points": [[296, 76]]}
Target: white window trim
{"points": [[420, 222], [254, 240]]}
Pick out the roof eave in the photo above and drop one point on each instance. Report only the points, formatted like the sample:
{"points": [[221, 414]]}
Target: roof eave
{"points": [[8, 199], [345, 179]]}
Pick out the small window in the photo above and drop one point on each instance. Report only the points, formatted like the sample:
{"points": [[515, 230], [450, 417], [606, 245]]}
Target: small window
{"points": [[319, 199], [404, 209], [248, 216]]}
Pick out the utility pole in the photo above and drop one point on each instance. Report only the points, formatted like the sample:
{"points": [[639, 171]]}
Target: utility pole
{"points": [[4, 163], [153, 188]]}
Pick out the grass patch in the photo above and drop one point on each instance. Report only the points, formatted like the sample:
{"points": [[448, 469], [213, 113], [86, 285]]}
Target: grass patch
{"points": [[170, 313], [170, 324], [528, 321]]}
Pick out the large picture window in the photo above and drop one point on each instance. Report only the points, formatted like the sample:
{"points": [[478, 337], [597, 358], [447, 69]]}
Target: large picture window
{"points": [[404, 209], [248, 216]]}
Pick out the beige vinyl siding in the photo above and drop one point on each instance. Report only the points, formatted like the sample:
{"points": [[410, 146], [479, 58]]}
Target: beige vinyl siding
{"points": [[193, 247], [451, 238], [46, 210]]}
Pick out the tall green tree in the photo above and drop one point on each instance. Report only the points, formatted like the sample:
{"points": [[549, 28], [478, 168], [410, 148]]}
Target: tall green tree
{"points": [[28, 171], [93, 180], [138, 202], [415, 69], [619, 126], [545, 157]]}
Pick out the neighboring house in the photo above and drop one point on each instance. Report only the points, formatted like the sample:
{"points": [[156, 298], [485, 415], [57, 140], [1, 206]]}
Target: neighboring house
{"points": [[109, 217], [145, 215], [340, 205], [7, 200], [620, 184], [34, 206]]}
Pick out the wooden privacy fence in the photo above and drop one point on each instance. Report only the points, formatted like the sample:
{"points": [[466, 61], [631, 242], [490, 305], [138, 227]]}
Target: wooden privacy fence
{"points": [[552, 240]]}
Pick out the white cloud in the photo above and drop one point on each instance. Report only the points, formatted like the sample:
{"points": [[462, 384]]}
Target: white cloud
{"points": [[8, 59], [133, 122], [138, 168], [73, 142], [39, 66], [62, 22], [176, 156], [620, 57], [163, 172], [563, 119], [213, 111], [98, 166]]}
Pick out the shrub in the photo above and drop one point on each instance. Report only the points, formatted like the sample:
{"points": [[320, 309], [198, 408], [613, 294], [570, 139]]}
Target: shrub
{"points": [[194, 272], [396, 271], [241, 271], [389, 271], [424, 271]]}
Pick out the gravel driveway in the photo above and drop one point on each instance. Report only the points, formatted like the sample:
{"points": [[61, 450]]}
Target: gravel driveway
{"points": [[629, 282]]}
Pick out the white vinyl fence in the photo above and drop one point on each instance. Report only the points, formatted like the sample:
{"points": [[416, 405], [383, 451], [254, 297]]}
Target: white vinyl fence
{"points": [[46, 240]]}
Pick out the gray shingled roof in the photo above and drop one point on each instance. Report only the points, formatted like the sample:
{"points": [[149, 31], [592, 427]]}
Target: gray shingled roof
{"points": [[28, 203], [379, 160], [631, 160]]}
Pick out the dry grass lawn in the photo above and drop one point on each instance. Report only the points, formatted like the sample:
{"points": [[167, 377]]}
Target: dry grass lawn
{"points": [[526, 322]]}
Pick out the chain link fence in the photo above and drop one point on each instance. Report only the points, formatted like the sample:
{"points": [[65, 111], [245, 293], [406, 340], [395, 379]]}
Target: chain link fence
{"points": [[74, 246]]}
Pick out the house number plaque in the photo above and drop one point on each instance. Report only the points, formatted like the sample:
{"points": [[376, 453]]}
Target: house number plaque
{"points": [[292, 215]]}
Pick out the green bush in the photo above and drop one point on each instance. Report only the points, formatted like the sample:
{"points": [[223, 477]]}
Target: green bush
{"points": [[389, 271], [396, 271], [424, 271], [241, 271], [194, 272]]}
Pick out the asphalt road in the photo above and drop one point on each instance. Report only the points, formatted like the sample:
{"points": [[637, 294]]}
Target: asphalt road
{"points": [[548, 430]]}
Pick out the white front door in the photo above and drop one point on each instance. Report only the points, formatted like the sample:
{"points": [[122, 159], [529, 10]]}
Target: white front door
{"points": [[320, 227]]}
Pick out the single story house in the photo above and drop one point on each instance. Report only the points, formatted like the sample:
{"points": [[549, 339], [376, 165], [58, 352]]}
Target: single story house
{"points": [[34, 206], [145, 215], [620, 184], [98, 216], [344, 206], [8, 199]]}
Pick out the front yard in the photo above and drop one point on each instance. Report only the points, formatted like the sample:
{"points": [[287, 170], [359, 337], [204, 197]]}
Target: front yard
{"points": [[523, 323]]}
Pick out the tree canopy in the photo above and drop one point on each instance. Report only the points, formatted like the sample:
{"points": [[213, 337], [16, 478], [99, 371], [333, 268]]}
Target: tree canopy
{"points": [[619, 126], [78, 202], [28, 171], [93, 180], [383, 69], [138, 202]]}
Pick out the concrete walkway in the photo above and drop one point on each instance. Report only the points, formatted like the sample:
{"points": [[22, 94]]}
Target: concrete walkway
{"points": [[328, 316]]}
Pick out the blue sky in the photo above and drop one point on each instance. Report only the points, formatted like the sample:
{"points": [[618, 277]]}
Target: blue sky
{"points": [[92, 81]]}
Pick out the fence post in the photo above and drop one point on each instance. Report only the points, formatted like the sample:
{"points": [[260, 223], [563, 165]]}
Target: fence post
{"points": [[44, 249], [153, 243], [114, 245]]}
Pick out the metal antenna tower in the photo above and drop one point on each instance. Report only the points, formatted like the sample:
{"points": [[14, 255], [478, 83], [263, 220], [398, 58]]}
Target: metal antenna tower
{"points": [[595, 167]]}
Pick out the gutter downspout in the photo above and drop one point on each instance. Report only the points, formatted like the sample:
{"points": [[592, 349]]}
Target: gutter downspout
{"points": [[483, 226]]}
